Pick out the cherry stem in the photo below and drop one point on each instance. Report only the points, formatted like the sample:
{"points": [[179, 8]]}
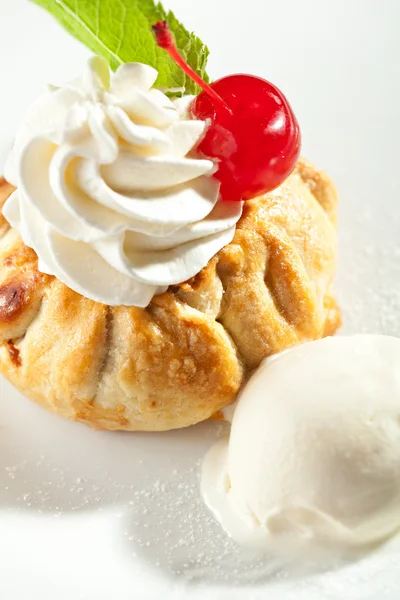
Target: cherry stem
{"points": [[166, 41]]}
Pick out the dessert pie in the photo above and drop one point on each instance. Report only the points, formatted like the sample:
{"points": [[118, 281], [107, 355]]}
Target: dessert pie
{"points": [[183, 357], [155, 249]]}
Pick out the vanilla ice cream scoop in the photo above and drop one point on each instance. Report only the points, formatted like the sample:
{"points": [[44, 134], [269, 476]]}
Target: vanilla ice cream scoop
{"points": [[314, 448]]}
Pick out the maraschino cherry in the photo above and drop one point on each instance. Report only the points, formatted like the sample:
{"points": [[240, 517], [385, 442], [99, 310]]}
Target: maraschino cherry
{"points": [[252, 132]]}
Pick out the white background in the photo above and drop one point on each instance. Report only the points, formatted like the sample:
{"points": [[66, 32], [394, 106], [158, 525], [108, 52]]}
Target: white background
{"points": [[73, 520]]}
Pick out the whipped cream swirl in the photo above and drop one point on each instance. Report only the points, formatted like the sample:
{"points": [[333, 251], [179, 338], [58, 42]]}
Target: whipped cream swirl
{"points": [[110, 194]]}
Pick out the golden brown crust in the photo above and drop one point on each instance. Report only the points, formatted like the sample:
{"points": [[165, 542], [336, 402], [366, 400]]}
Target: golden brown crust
{"points": [[5, 190], [184, 357], [320, 187]]}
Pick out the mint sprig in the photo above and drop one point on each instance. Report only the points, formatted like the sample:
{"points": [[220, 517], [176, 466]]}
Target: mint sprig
{"points": [[120, 30]]}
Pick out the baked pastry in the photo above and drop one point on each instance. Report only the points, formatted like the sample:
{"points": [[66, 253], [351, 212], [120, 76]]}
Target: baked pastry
{"points": [[154, 249], [183, 357]]}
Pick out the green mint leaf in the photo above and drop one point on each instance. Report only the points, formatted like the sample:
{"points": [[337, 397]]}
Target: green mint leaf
{"points": [[120, 30]]}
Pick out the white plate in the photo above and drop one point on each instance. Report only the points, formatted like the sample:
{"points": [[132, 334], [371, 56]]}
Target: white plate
{"points": [[87, 515]]}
